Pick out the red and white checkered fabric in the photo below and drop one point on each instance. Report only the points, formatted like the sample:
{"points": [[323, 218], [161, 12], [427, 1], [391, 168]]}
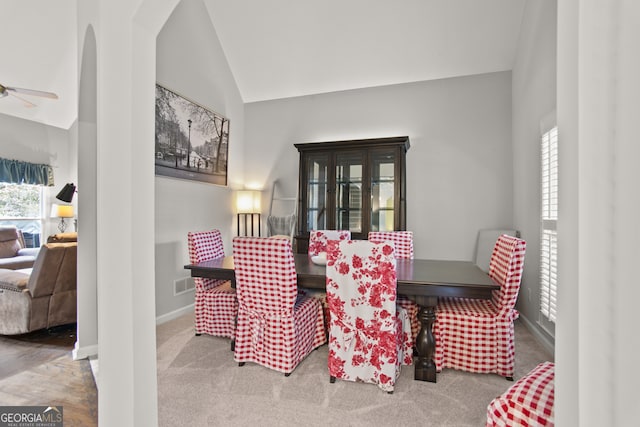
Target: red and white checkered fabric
{"points": [[477, 335], [277, 328], [529, 402], [216, 306], [403, 241], [318, 239], [369, 337]]}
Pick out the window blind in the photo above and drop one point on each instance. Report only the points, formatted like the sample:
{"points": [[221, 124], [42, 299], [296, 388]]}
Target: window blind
{"points": [[549, 237]]}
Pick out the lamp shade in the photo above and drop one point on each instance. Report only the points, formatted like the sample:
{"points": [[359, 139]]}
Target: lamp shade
{"points": [[67, 192], [61, 211], [248, 201]]}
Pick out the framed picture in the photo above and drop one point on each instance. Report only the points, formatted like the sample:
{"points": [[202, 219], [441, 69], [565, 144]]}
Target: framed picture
{"points": [[192, 142]]}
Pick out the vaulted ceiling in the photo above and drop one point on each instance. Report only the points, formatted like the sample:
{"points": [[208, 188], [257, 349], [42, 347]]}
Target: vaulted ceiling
{"points": [[39, 51], [284, 48], [280, 48]]}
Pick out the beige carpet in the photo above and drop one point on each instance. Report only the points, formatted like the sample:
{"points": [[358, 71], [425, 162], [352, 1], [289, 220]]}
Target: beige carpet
{"points": [[199, 384]]}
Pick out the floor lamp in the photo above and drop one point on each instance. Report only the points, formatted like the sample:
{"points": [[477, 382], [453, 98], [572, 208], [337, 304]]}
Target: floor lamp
{"points": [[66, 195], [248, 208]]}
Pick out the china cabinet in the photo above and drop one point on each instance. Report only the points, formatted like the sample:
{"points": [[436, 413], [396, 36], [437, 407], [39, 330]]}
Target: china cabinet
{"points": [[357, 185]]}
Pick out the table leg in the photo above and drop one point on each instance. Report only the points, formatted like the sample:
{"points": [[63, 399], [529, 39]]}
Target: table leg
{"points": [[425, 369]]}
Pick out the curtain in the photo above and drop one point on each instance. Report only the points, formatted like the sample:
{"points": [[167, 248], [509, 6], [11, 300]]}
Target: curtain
{"points": [[18, 172]]}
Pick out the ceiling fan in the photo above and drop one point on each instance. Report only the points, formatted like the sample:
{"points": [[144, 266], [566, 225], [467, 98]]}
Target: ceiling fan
{"points": [[6, 90]]}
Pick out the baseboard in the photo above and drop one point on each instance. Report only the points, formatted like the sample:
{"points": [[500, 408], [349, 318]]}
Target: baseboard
{"points": [[92, 350], [84, 352], [542, 338], [174, 314]]}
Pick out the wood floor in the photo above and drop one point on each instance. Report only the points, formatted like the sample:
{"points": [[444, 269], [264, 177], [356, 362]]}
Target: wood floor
{"points": [[38, 369]]}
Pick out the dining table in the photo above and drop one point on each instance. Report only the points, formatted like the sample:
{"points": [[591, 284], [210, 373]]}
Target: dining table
{"points": [[422, 280]]}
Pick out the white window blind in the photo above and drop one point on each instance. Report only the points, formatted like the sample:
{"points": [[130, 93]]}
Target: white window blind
{"points": [[549, 237]]}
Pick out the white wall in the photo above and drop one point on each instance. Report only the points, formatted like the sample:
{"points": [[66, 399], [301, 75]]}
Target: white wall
{"points": [[459, 166], [87, 298], [200, 73], [125, 45], [34, 142], [534, 97], [597, 345]]}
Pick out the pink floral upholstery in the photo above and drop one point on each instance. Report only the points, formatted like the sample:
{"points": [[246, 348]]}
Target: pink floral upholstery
{"points": [[403, 241], [216, 306], [529, 402], [369, 338], [477, 335], [277, 328], [318, 241]]}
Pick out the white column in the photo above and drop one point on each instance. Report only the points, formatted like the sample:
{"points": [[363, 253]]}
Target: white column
{"points": [[599, 125]]}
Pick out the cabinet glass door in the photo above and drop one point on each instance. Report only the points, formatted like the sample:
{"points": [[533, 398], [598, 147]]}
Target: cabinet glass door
{"points": [[349, 191], [383, 197], [317, 186]]}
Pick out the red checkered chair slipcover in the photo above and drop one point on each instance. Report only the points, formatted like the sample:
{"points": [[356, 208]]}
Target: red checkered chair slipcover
{"points": [[476, 335], [529, 402], [216, 306], [277, 328], [318, 240], [369, 336], [403, 241]]}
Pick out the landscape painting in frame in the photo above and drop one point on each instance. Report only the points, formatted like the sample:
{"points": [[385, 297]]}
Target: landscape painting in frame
{"points": [[192, 142]]}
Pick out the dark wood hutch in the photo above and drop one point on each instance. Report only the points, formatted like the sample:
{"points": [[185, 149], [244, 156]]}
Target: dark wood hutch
{"points": [[359, 185]]}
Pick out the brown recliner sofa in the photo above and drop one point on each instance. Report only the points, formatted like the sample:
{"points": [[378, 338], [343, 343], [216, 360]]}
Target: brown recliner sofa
{"points": [[43, 296], [13, 253], [63, 237]]}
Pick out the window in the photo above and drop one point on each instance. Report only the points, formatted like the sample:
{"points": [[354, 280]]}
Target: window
{"points": [[549, 237], [21, 205]]}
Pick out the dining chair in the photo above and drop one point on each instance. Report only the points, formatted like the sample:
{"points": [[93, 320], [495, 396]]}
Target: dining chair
{"points": [[528, 402], [318, 241], [485, 242], [369, 336], [216, 305], [403, 241], [476, 335], [277, 328]]}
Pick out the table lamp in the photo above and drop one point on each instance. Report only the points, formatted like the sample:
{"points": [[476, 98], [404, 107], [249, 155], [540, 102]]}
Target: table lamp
{"points": [[62, 212], [248, 204]]}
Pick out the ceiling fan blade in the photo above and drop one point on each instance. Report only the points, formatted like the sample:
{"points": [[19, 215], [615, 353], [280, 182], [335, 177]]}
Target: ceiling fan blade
{"points": [[26, 103], [32, 92]]}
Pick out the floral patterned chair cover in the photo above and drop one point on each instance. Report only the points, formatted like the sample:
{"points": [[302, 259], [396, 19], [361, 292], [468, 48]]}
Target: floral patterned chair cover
{"points": [[369, 338], [403, 241], [318, 240], [277, 328], [216, 306], [477, 335]]}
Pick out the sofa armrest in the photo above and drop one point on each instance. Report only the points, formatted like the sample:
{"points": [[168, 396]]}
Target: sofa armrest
{"points": [[14, 280], [29, 252], [63, 237]]}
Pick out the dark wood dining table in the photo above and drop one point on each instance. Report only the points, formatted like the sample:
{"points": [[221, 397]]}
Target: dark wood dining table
{"points": [[422, 280]]}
